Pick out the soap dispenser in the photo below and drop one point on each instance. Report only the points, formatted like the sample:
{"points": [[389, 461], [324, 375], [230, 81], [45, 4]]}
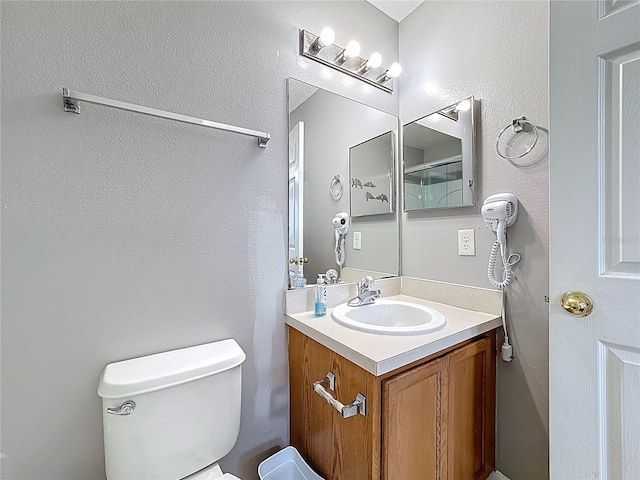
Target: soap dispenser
{"points": [[320, 304]]}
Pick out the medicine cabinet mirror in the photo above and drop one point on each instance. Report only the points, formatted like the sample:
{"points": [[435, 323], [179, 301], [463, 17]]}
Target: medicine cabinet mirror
{"points": [[341, 150], [439, 158]]}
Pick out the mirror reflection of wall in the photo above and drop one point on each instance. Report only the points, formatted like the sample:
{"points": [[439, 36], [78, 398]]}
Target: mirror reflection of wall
{"points": [[439, 158], [333, 124]]}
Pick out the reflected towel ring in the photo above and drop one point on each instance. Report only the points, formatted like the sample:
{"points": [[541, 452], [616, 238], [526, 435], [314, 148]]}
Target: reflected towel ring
{"points": [[518, 125], [335, 187]]}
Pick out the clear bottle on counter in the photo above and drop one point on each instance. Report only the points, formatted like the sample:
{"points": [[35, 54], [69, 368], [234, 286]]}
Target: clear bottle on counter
{"points": [[320, 304], [298, 281]]}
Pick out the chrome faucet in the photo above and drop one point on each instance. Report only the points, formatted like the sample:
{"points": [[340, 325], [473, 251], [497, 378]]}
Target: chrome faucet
{"points": [[366, 296], [332, 277]]}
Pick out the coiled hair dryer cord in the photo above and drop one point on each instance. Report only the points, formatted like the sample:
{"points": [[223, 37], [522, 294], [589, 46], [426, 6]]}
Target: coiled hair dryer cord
{"points": [[507, 272], [340, 251], [507, 278]]}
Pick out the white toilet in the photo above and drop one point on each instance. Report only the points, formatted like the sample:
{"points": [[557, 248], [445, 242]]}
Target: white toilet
{"points": [[172, 415]]}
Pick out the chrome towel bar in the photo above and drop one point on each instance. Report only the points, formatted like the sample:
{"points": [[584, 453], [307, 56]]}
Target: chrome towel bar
{"points": [[72, 98], [358, 406]]}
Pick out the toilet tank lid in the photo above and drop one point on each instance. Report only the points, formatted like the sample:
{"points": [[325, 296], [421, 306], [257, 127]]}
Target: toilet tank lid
{"points": [[167, 369]]}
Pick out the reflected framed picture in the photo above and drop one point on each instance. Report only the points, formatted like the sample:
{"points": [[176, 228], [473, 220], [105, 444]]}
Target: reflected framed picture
{"points": [[371, 176]]}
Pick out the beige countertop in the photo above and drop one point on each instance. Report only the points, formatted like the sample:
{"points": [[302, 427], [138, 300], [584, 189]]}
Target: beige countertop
{"points": [[379, 354]]}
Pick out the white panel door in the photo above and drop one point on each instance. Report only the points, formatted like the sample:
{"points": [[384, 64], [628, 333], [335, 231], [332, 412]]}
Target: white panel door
{"points": [[296, 196], [595, 239]]}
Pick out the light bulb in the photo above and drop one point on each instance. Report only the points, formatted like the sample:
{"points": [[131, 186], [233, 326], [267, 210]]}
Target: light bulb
{"points": [[327, 36], [375, 60], [352, 50], [394, 70], [463, 106]]}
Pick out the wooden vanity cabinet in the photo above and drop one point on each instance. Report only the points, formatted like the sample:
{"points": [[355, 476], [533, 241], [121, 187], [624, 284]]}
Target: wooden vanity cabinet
{"points": [[432, 419]]}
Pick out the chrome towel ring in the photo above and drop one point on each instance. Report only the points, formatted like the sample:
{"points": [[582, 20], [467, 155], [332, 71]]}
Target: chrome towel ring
{"points": [[335, 187], [518, 126]]}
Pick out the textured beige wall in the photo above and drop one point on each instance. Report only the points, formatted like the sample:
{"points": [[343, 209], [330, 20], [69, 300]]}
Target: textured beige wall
{"points": [[498, 52], [124, 235]]}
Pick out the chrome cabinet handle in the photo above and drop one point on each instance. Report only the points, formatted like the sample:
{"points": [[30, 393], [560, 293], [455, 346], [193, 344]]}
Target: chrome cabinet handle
{"points": [[358, 406], [125, 409]]}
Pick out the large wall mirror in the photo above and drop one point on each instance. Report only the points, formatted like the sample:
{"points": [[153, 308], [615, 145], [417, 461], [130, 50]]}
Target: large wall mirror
{"points": [[439, 158], [342, 164]]}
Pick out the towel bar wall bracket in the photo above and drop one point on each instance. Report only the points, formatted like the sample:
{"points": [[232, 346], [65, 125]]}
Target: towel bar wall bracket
{"points": [[71, 105]]}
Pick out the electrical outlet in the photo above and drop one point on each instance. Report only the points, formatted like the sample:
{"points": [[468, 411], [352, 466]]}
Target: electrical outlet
{"points": [[357, 240], [466, 242]]}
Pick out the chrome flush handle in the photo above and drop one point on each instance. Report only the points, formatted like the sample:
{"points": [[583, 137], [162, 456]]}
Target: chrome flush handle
{"points": [[125, 409]]}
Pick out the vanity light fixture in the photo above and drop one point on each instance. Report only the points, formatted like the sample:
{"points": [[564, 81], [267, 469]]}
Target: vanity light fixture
{"points": [[394, 71], [375, 60], [326, 38], [347, 60], [352, 51]]}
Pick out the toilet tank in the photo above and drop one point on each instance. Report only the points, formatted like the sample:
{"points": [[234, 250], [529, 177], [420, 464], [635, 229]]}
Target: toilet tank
{"points": [[186, 414]]}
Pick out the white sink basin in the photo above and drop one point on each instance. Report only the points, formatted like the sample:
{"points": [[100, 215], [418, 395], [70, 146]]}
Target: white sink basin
{"points": [[390, 317]]}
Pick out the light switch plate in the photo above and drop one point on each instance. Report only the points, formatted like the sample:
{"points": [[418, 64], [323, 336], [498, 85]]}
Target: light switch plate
{"points": [[466, 242], [357, 240]]}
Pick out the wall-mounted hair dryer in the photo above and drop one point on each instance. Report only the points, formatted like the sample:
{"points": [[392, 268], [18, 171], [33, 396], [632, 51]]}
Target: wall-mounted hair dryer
{"points": [[341, 223], [501, 211]]}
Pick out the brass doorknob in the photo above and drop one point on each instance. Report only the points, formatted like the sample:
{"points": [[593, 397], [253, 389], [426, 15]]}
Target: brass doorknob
{"points": [[577, 303], [299, 260]]}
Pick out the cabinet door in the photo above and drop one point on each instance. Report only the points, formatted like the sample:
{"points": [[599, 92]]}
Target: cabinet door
{"points": [[337, 448], [471, 422], [414, 407]]}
